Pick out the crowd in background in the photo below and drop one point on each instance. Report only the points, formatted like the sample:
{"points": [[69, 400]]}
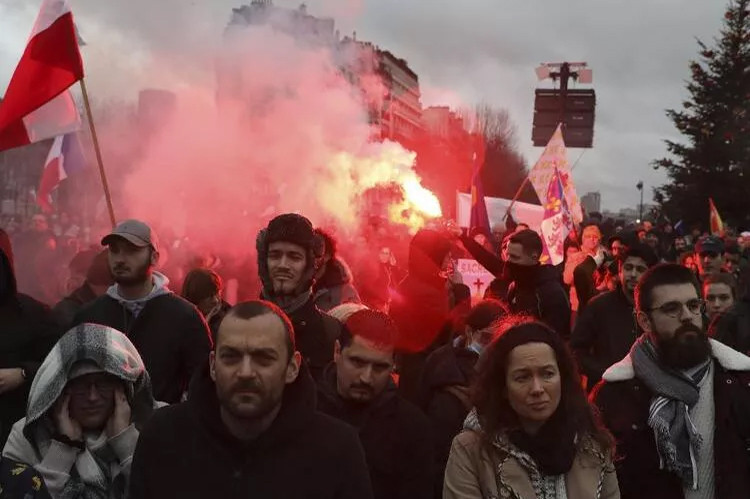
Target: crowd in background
{"points": [[592, 378]]}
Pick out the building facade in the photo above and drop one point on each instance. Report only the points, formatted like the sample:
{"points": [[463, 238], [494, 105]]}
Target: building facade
{"points": [[592, 202]]}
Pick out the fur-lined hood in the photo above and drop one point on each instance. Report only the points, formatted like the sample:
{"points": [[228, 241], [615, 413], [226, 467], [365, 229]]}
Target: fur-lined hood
{"points": [[337, 273], [728, 358]]}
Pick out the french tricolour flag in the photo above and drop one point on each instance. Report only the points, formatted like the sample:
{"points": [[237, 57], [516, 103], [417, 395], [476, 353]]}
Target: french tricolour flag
{"points": [[37, 104], [65, 157]]}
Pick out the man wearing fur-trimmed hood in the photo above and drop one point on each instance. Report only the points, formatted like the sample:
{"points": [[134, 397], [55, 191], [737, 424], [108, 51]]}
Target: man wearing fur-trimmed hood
{"points": [[287, 251], [88, 401]]}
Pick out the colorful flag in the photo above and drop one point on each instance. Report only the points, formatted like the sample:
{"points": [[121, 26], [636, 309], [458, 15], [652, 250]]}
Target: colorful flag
{"points": [[557, 223], [717, 226], [37, 104], [555, 157], [65, 157], [479, 217]]}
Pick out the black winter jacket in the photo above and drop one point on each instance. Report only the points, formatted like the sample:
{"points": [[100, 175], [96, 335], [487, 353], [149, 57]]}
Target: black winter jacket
{"points": [[28, 332], [186, 451], [315, 334], [169, 333], [66, 309], [733, 327], [542, 296], [624, 404], [395, 436], [603, 335], [446, 380]]}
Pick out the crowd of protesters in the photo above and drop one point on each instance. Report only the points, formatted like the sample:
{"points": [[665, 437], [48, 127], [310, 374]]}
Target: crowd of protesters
{"points": [[331, 368]]}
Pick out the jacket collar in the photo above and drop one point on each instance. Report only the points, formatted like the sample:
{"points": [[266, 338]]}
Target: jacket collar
{"points": [[728, 358]]}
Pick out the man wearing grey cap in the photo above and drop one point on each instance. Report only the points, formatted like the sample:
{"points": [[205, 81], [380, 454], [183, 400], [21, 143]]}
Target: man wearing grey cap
{"points": [[167, 330], [709, 253]]}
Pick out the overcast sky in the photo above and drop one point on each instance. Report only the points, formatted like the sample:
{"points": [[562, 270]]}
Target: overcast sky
{"points": [[463, 50]]}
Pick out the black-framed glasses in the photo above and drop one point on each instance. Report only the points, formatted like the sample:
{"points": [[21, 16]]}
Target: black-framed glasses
{"points": [[673, 309]]}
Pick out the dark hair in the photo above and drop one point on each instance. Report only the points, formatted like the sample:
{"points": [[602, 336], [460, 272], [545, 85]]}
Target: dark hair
{"points": [[489, 394], [200, 284], [330, 246], [723, 278], [371, 325], [529, 241], [485, 313], [642, 251], [256, 308], [663, 274]]}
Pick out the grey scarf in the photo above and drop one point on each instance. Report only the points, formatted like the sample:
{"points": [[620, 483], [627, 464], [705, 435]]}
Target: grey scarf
{"points": [[677, 440]]}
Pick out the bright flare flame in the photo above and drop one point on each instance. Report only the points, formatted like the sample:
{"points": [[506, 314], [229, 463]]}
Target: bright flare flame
{"points": [[382, 165]]}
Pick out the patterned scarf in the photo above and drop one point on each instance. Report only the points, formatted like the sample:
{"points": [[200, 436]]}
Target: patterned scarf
{"points": [[677, 439]]}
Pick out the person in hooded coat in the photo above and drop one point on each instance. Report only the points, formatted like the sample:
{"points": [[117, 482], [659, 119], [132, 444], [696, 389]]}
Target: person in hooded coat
{"points": [[287, 252], [27, 333], [334, 282], [88, 402], [421, 308]]}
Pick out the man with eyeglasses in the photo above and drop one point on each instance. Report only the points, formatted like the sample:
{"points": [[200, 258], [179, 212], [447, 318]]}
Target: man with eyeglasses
{"points": [[606, 328], [679, 403]]}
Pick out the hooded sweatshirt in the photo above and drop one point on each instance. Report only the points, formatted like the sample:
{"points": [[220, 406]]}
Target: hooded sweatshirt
{"points": [[186, 451], [135, 306], [102, 469]]}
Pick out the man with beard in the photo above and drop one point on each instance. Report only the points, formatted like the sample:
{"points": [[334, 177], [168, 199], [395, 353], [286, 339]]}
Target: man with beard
{"points": [[249, 427], [168, 331], [357, 388], [287, 251], [606, 329], [678, 404]]}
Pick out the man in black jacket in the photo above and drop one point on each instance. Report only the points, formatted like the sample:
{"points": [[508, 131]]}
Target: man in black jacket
{"points": [[287, 251], [357, 389], [249, 427], [606, 329], [27, 334], [678, 404], [169, 333]]}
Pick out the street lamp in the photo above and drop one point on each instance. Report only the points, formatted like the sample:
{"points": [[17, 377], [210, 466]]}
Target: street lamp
{"points": [[639, 186]]}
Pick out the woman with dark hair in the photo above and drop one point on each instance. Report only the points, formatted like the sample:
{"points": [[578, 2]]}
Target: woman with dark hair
{"points": [[532, 433], [203, 288]]}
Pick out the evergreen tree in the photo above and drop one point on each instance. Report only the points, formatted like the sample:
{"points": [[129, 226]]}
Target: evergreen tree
{"points": [[713, 160]]}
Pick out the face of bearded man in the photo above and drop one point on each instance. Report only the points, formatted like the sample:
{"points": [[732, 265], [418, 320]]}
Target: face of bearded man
{"points": [[675, 322], [130, 264]]}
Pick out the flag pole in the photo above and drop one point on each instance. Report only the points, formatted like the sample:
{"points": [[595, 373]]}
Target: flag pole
{"points": [[515, 198], [98, 151]]}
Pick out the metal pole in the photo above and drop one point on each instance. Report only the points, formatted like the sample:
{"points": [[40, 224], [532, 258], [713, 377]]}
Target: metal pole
{"points": [[98, 151]]}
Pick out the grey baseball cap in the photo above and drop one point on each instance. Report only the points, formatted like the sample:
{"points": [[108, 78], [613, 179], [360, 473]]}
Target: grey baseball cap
{"points": [[135, 232]]}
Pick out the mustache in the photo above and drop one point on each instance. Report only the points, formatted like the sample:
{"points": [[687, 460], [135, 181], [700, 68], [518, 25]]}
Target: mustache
{"points": [[688, 328], [246, 386]]}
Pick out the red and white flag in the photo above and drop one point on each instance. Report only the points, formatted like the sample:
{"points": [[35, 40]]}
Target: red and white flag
{"points": [[37, 104], [65, 157]]}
